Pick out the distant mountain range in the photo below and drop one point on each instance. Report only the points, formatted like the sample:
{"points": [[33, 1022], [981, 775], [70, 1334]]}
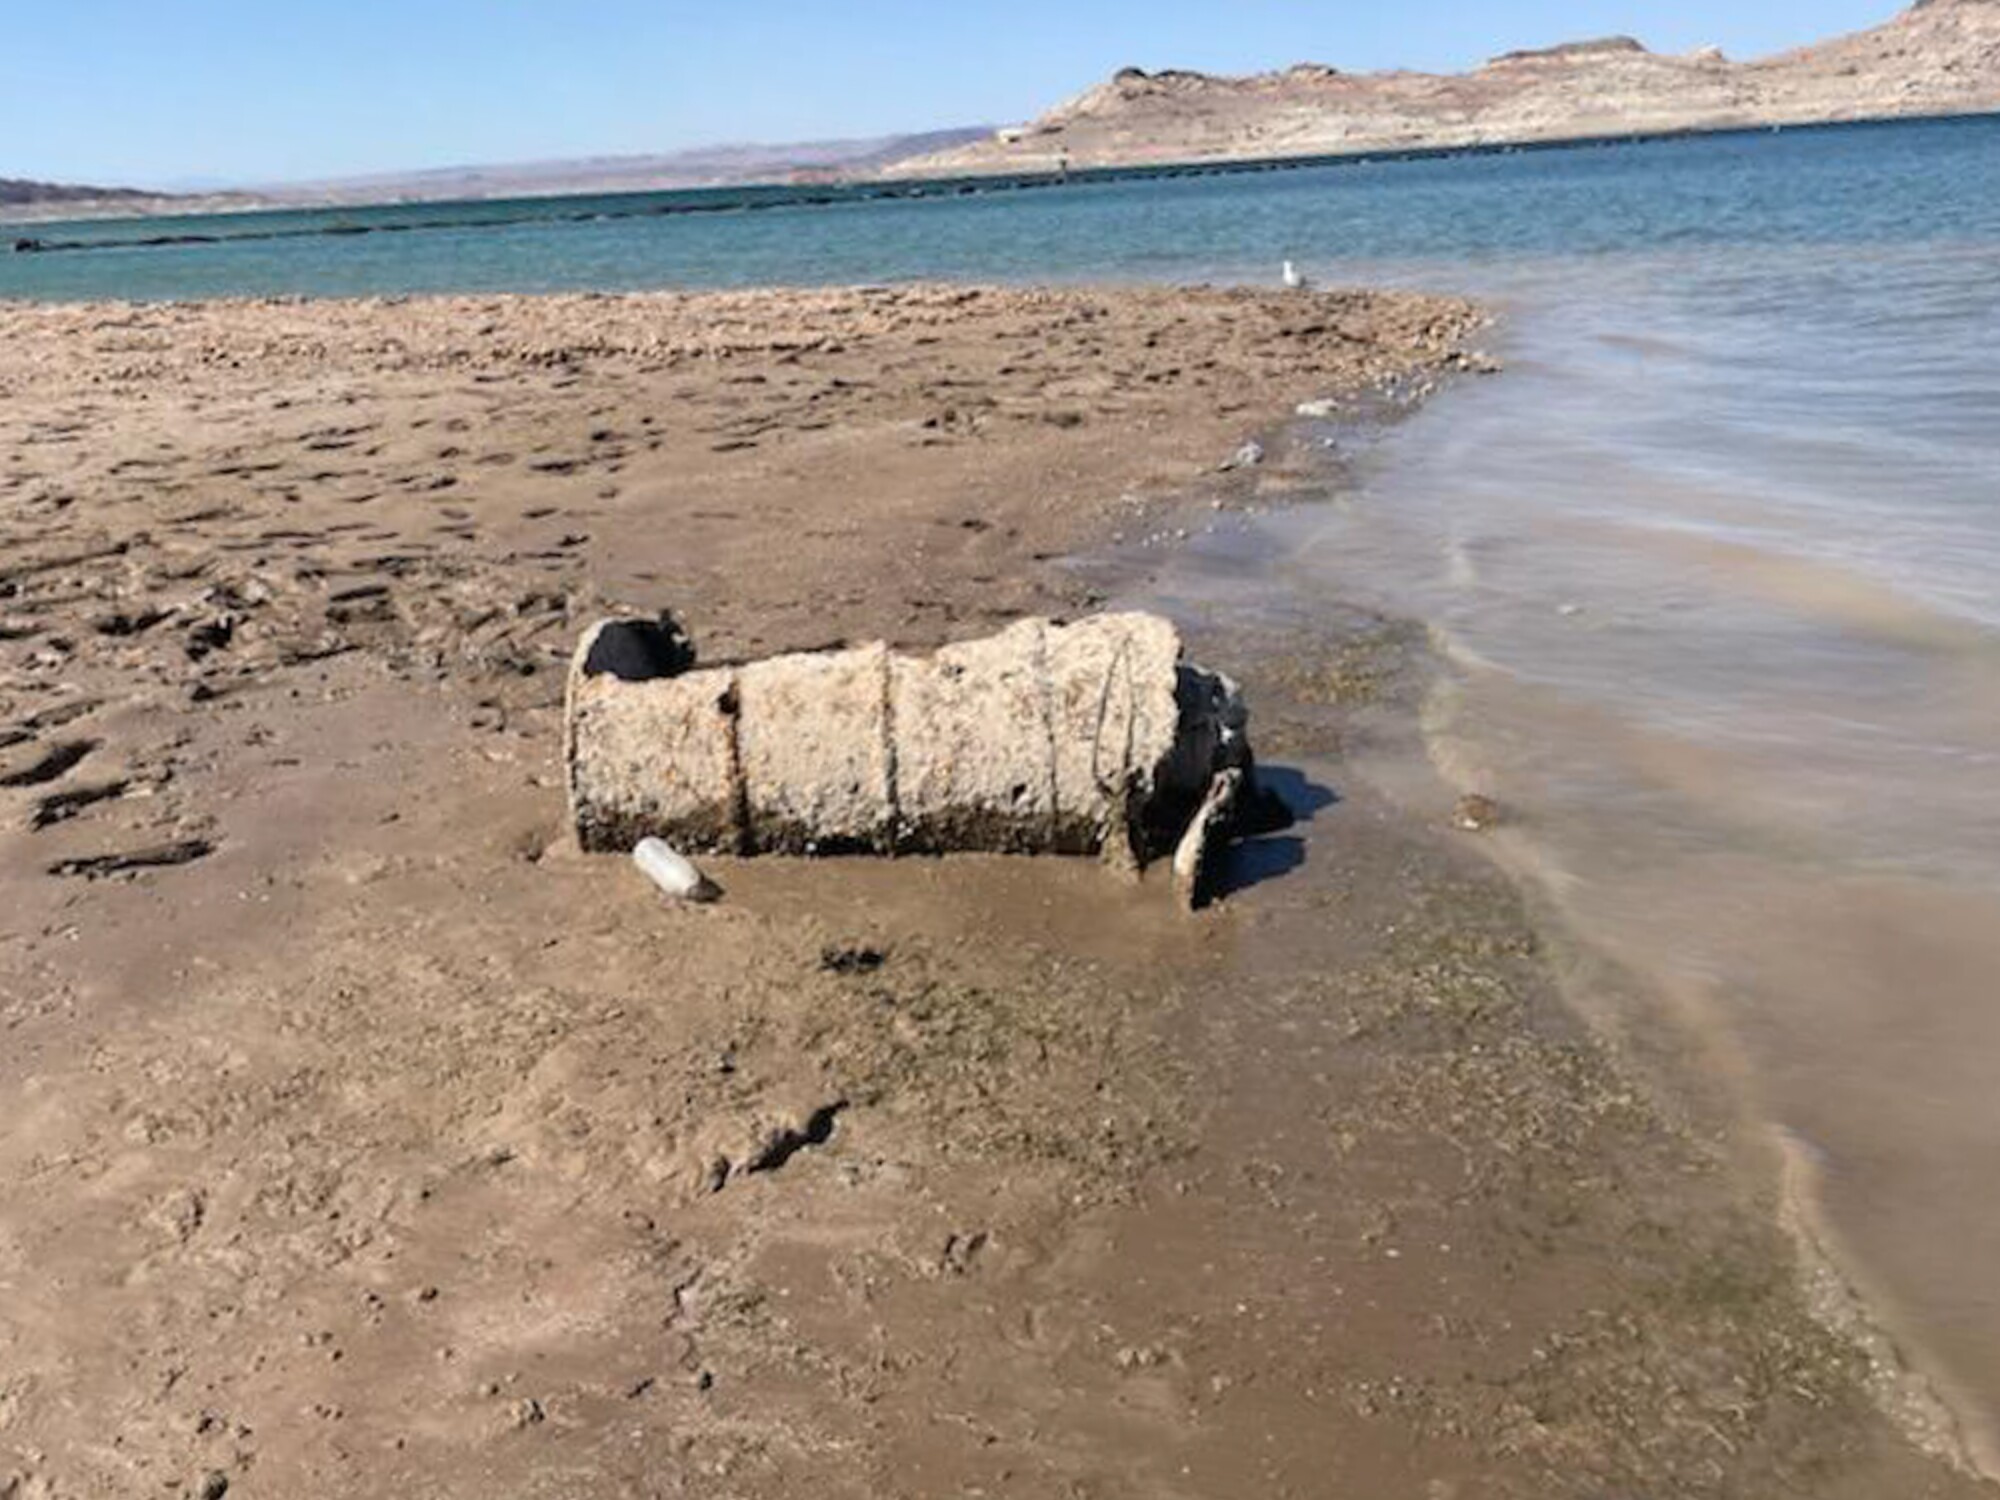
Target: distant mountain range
{"points": [[15, 190], [1939, 57], [709, 166]]}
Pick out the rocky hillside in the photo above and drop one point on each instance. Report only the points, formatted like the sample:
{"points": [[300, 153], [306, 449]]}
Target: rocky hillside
{"points": [[707, 166], [16, 191], [1938, 57], [711, 166]]}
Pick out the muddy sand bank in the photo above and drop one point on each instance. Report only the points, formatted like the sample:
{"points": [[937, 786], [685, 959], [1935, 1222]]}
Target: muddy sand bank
{"points": [[360, 1138]]}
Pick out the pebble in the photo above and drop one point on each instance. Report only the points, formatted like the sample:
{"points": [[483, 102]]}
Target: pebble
{"points": [[1475, 813]]}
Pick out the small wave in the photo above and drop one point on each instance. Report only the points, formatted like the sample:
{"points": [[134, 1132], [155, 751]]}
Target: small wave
{"points": [[1830, 591]]}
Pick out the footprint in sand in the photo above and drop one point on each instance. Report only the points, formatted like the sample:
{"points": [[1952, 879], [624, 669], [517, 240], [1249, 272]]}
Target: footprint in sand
{"points": [[160, 857], [52, 765], [60, 807]]}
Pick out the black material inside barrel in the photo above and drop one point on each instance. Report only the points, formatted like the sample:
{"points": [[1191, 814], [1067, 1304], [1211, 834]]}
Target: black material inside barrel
{"points": [[640, 650]]}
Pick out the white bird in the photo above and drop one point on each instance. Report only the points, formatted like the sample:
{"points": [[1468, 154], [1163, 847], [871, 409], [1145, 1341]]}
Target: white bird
{"points": [[1295, 280]]}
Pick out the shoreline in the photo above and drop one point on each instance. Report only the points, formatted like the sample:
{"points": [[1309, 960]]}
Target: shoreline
{"points": [[1691, 1060], [752, 196], [1692, 1065], [369, 1140], [1680, 1063]]}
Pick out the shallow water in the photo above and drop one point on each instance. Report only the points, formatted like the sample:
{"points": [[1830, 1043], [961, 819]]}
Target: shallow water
{"points": [[1717, 563], [1858, 185]]}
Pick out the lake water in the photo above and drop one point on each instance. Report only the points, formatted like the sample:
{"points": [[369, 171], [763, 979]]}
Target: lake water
{"points": [[1716, 563]]}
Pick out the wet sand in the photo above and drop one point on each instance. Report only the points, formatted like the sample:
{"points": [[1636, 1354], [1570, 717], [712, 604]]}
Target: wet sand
{"points": [[362, 1139]]}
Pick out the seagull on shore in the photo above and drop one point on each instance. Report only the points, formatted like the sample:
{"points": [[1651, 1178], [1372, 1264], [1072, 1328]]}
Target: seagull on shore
{"points": [[1294, 279]]}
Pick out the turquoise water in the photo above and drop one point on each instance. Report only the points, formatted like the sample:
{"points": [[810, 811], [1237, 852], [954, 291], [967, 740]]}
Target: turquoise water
{"points": [[1716, 562], [1860, 186]]}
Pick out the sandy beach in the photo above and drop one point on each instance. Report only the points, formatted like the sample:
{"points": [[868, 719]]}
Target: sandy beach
{"points": [[361, 1136]]}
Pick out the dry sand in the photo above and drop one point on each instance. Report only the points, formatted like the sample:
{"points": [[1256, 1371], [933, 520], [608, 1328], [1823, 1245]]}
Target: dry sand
{"points": [[359, 1139]]}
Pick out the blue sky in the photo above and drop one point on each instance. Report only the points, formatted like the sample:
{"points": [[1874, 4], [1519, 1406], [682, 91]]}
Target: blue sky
{"points": [[171, 92]]}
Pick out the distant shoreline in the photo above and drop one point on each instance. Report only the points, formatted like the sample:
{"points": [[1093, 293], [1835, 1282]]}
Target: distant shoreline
{"points": [[754, 196]]}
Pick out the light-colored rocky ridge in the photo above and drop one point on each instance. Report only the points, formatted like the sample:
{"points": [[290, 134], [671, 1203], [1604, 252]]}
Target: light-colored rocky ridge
{"points": [[1940, 57]]}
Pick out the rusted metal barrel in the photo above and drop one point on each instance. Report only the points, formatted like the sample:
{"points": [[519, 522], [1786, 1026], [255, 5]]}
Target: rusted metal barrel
{"points": [[1092, 737]]}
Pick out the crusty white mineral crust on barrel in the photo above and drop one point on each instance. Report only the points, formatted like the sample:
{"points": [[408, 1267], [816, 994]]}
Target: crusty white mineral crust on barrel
{"points": [[972, 745], [649, 755], [1114, 721], [1049, 738], [813, 744]]}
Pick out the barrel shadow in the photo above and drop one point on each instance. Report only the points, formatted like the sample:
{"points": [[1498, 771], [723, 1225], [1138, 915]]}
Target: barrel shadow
{"points": [[1256, 860]]}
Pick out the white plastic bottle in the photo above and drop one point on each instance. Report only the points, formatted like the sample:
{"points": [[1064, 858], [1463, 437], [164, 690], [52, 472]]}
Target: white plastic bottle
{"points": [[673, 872]]}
